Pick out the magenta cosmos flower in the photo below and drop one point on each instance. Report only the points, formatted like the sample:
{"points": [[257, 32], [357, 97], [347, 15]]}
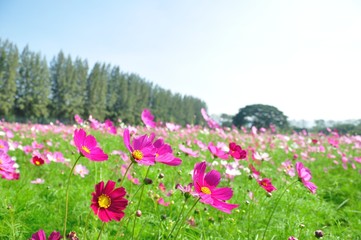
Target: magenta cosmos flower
{"points": [[142, 149], [108, 202], [304, 175], [164, 153], [88, 146], [40, 235], [148, 118], [205, 186], [217, 152], [266, 184], [236, 151]]}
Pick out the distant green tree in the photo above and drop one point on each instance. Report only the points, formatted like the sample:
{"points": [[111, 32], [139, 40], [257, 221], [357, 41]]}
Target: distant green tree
{"points": [[260, 115], [97, 91], [59, 85], [33, 86], [226, 120], [9, 61], [79, 93]]}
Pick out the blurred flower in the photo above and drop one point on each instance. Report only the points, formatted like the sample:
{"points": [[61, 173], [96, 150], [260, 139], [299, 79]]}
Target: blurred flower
{"points": [[88, 146], [205, 186], [108, 202], [148, 118], [188, 151], [38, 181], [37, 161], [80, 170], [109, 126], [40, 235], [217, 152], [4, 146], [78, 119], [266, 184], [8, 167], [304, 175], [236, 151]]}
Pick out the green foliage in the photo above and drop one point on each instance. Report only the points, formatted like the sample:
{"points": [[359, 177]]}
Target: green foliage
{"points": [[260, 115], [335, 208], [9, 58], [32, 90]]}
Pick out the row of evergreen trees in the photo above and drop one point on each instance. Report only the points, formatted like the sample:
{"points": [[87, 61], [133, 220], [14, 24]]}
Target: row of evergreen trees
{"points": [[32, 90]]}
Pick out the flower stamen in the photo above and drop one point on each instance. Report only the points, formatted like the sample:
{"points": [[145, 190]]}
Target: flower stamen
{"points": [[205, 190], [104, 201]]}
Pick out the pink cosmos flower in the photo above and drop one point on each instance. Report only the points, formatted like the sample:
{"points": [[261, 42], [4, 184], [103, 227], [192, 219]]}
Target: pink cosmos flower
{"points": [[40, 235], [304, 175], [38, 181], [206, 187], [164, 154], [80, 170], [211, 123], [37, 160], [78, 119], [288, 168], [266, 184], [88, 146], [134, 180], [172, 126], [109, 126], [148, 118], [188, 151], [217, 152], [8, 168], [4, 146], [162, 202], [142, 149], [108, 202], [236, 151]]}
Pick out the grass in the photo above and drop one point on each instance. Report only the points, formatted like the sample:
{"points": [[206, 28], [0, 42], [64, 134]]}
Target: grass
{"points": [[335, 208]]}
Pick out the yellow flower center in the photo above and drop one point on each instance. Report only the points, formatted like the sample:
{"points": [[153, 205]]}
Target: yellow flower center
{"points": [[205, 190], [104, 201], [85, 149], [1, 146], [137, 155], [37, 162]]}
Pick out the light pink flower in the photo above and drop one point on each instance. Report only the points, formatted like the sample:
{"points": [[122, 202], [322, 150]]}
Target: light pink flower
{"points": [[38, 181], [80, 170], [217, 152], [188, 151], [304, 175], [148, 118]]}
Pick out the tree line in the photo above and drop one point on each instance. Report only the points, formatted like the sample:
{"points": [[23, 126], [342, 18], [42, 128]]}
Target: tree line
{"points": [[33, 90]]}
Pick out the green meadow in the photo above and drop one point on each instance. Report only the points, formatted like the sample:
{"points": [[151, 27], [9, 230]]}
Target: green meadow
{"points": [[290, 210]]}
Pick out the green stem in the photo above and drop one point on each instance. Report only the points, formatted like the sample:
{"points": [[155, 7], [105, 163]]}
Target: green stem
{"points": [[274, 209], [67, 195], [101, 230], [179, 217], [185, 216], [140, 199], [125, 174], [86, 223]]}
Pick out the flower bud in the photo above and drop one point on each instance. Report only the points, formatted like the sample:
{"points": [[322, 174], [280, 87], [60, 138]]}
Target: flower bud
{"points": [[138, 213], [318, 233], [147, 181]]}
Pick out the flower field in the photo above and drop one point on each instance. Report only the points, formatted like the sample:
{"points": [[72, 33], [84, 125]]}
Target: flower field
{"points": [[97, 180]]}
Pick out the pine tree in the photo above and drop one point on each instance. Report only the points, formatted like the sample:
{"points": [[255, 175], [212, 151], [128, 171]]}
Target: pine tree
{"points": [[9, 61]]}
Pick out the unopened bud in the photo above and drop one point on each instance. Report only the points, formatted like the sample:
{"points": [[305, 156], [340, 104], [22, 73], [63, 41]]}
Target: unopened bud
{"points": [[138, 213], [147, 181], [318, 233]]}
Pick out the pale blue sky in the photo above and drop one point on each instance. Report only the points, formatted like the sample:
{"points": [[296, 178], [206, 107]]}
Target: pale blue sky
{"points": [[303, 57]]}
